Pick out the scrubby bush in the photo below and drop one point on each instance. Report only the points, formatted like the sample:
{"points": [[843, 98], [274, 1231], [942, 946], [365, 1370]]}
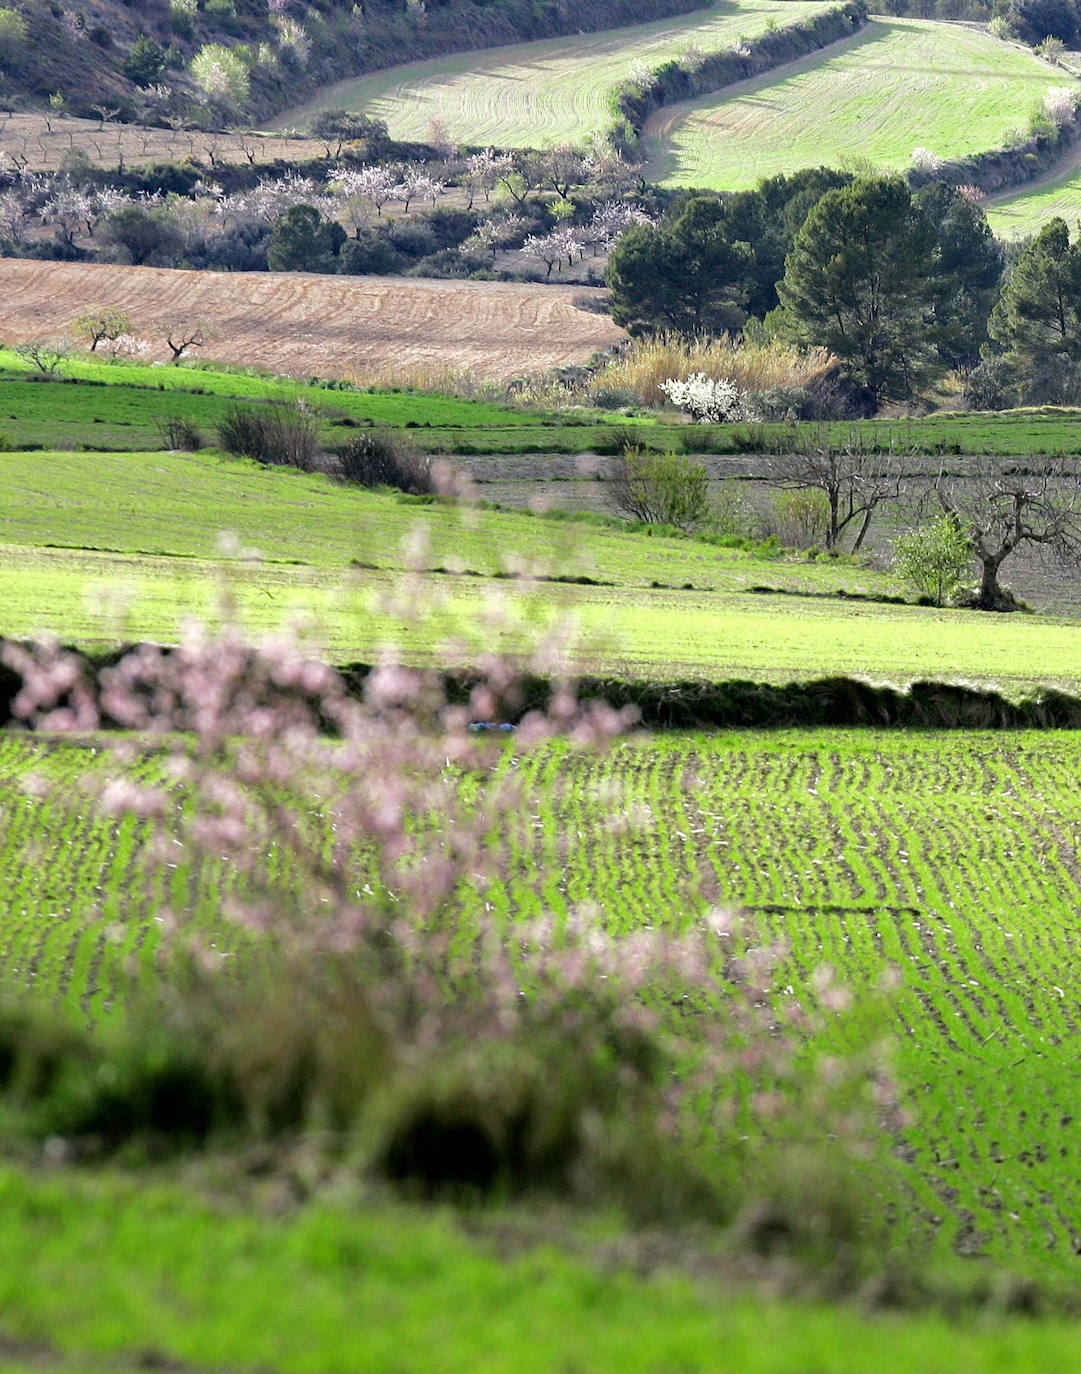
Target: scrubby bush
{"points": [[181, 434], [375, 1003], [800, 518], [707, 400], [990, 386], [935, 558], [658, 488], [278, 434], [384, 459]]}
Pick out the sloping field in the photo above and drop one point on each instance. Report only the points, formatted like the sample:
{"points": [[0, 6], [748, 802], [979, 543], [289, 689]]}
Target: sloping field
{"points": [[99, 547], [948, 862], [43, 145], [550, 92], [897, 85], [1017, 214], [299, 324]]}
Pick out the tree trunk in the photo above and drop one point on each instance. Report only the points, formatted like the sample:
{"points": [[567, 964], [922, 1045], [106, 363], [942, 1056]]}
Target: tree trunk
{"points": [[868, 513], [990, 591]]}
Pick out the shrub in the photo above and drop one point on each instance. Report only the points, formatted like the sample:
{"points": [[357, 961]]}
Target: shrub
{"points": [[382, 459], [181, 434], [800, 519], [935, 559], [280, 435], [990, 386], [785, 404], [708, 400], [374, 993], [222, 74], [12, 35], [658, 488]]}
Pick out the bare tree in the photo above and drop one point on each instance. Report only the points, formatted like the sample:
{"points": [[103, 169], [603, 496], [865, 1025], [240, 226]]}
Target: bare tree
{"points": [[45, 355], [854, 479], [180, 335], [1001, 510]]}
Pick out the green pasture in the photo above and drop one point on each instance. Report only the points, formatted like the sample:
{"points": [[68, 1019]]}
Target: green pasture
{"points": [[945, 862], [99, 547], [549, 92], [121, 406], [105, 1274], [896, 85], [1017, 214]]}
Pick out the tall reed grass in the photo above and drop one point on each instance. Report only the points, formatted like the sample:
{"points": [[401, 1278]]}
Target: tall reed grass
{"points": [[750, 366]]}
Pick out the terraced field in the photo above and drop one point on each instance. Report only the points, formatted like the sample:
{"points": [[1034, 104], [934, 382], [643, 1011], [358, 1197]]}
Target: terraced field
{"points": [[535, 94], [896, 85], [949, 863]]}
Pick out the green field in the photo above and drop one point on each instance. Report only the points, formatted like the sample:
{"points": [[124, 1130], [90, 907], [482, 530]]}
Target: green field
{"points": [[896, 85], [1017, 214], [536, 94], [98, 547], [949, 859], [104, 406], [108, 1275]]}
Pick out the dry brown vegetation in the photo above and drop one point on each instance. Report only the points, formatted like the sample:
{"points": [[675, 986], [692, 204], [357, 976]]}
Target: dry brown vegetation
{"points": [[753, 367], [358, 328], [45, 144]]}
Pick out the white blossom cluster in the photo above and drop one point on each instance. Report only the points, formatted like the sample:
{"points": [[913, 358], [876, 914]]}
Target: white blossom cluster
{"points": [[709, 400]]}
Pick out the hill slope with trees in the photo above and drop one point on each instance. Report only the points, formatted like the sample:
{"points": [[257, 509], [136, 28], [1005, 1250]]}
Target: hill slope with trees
{"points": [[224, 59]]}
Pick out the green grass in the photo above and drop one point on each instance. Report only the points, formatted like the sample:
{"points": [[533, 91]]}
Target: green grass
{"points": [[106, 406], [1018, 214], [98, 547], [948, 861], [544, 93], [102, 1274], [897, 85]]}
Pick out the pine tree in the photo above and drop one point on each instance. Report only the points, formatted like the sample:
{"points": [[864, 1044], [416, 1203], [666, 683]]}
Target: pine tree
{"points": [[689, 278], [1037, 321], [860, 281]]}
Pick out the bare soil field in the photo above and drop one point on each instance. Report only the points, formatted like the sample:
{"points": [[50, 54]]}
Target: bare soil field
{"points": [[42, 143], [298, 324]]}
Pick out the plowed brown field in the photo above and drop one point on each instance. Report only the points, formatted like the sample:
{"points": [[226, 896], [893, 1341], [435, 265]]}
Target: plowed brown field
{"points": [[43, 143], [359, 328]]}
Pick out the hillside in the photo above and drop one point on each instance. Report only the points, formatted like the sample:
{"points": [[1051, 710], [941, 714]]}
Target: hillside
{"points": [[542, 93], [896, 86], [83, 54]]}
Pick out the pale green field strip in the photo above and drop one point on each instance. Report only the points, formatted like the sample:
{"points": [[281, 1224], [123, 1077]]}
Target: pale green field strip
{"points": [[896, 85], [1026, 211], [181, 503], [950, 860], [102, 1269], [99, 599], [549, 92], [99, 547]]}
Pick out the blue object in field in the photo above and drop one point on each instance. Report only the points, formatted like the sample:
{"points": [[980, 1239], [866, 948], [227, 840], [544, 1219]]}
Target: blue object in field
{"points": [[490, 725]]}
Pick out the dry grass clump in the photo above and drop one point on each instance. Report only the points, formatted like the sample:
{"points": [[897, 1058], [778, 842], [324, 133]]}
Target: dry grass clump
{"points": [[752, 367]]}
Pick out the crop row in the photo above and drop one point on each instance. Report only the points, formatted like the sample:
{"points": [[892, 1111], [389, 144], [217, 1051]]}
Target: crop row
{"points": [[949, 863]]}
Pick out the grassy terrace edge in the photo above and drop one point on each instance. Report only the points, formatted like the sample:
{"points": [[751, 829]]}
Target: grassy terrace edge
{"points": [[734, 704]]}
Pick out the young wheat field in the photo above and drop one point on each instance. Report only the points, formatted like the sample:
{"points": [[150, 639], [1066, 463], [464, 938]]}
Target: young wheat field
{"points": [[897, 85]]}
